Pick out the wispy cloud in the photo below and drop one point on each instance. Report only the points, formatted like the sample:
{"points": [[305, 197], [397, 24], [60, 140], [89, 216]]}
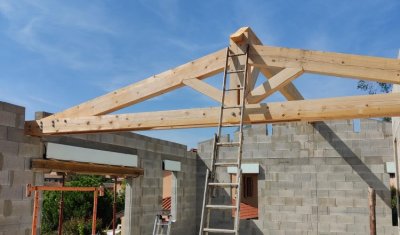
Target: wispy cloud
{"points": [[59, 32], [188, 46], [167, 10]]}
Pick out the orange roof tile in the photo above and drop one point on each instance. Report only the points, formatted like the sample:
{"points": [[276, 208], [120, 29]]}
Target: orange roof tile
{"points": [[247, 211]]}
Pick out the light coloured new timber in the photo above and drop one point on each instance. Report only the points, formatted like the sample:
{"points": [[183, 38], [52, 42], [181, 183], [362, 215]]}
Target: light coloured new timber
{"points": [[246, 35], [204, 88], [328, 63], [280, 65], [151, 87], [366, 106], [274, 84]]}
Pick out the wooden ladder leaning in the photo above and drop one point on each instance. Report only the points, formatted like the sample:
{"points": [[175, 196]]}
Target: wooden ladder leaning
{"points": [[211, 181]]}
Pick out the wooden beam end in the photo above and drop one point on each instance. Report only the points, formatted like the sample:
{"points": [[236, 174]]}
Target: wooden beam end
{"points": [[239, 35], [33, 128]]}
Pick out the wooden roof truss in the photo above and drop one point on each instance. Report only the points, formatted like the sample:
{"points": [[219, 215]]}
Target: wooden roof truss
{"points": [[280, 65]]}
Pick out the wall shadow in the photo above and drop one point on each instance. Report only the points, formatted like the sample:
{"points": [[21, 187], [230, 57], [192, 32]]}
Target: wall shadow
{"points": [[219, 218], [353, 160]]}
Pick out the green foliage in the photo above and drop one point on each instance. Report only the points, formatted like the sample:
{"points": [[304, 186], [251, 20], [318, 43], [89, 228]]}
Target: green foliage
{"points": [[375, 87], [78, 206], [393, 197], [80, 226]]}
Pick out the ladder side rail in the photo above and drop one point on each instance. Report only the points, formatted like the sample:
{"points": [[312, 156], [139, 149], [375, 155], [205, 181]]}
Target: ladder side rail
{"points": [[238, 199], [169, 225], [242, 112], [155, 225], [239, 160], [205, 199], [214, 157], [211, 175], [221, 114]]}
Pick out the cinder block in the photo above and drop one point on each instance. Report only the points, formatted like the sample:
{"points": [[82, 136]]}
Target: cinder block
{"points": [[326, 202], [8, 148], [357, 227], [344, 185], [7, 118], [14, 192], [3, 132], [293, 201], [23, 177], [338, 228], [347, 202], [29, 150], [15, 134], [13, 163]]}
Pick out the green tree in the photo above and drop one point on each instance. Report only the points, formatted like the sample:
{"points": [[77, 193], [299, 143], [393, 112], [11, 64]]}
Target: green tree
{"points": [[374, 88], [78, 206]]}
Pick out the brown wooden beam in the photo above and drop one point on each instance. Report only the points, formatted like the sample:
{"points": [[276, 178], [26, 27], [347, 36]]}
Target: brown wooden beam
{"points": [[367, 106], [47, 165]]}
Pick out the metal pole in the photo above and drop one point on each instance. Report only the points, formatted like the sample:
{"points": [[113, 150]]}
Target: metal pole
{"points": [[35, 212], [114, 203], [61, 209], [94, 212], [372, 203]]}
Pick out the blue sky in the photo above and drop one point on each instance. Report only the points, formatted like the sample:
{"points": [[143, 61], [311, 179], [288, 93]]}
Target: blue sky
{"points": [[56, 54]]}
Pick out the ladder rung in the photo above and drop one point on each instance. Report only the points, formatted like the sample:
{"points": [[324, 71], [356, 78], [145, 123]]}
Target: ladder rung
{"points": [[226, 164], [234, 55], [218, 230], [236, 71], [221, 207], [232, 107], [224, 184], [228, 144], [234, 89]]}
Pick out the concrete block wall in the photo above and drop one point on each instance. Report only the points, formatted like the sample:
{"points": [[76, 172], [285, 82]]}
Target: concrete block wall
{"points": [[16, 150], [144, 194], [314, 178]]}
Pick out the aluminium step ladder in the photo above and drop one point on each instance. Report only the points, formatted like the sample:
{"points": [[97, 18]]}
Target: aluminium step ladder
{"points": [[162, 223], [211, 182]]}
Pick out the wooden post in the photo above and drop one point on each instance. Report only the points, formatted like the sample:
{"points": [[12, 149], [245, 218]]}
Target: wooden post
{"points": [[61, 209], [35, 212], [372, 203], [95, 193]]}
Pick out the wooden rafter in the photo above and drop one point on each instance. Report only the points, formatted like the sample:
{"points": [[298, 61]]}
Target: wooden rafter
{"points": [[204, 88], [328, 63], [279, 65], [276, 83], [238, 41], [148, 88], [366, 106]]}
